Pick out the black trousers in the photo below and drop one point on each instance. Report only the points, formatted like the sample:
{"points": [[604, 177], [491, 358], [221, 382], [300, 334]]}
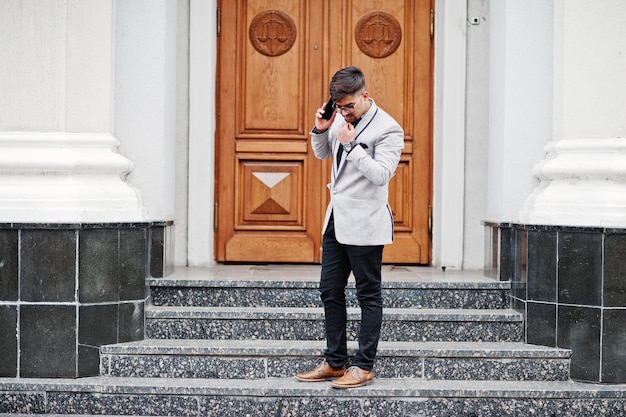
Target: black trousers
{"points": [[366, 264]]}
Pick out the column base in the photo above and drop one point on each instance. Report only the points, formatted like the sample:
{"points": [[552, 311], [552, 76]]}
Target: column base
{"points": [[569, 284], [67, 289]]}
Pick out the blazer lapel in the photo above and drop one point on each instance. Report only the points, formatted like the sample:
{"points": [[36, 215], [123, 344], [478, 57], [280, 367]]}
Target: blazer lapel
{"points": [[365, 119], [363, 123]]}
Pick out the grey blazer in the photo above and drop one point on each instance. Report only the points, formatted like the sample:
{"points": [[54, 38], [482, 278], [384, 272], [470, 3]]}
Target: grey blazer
{"points": [[359, 185]]}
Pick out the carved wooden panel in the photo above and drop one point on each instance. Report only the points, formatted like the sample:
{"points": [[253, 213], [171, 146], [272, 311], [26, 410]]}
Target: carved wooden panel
{"points": [[270, 194], [378, 34], [390, 72], [400, 196], [269, 182], [272, 32], [390, 41], [271, 78], [276, 58]]}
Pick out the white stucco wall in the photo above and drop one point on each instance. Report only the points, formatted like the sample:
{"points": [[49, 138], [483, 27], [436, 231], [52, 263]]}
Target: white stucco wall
{"points": [[202, 75], [520, 100], [146, 97], [476, 132], [449, 133], [182, 133]]}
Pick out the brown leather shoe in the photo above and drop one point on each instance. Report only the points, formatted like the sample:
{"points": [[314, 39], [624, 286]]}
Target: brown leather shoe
{"points": [[322, 372], [354, 377]]}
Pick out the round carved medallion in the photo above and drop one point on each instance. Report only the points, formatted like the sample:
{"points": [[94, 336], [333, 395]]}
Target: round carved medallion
{"points": [[378, 34], [272, 32]]}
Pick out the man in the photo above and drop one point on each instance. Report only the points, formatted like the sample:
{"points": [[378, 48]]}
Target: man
{"points": [[366, 143]]}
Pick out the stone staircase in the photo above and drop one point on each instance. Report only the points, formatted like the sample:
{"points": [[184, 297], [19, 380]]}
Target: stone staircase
{"points": [[226, 341]]}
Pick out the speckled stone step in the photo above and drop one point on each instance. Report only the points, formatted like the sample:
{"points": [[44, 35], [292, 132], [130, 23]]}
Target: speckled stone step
{"points": [[265, 293], [308, 324], [241, 359], [287, 398]]}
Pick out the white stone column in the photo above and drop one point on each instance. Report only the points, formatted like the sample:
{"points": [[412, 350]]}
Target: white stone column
{"points": [[582, 178], [48, 177], [59, 159]]}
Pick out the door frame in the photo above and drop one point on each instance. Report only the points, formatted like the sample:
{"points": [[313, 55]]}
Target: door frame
{"points": [[448, 131]]}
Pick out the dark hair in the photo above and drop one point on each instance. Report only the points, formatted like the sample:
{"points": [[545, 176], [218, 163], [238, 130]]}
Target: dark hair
{"points": [[346, 82]]}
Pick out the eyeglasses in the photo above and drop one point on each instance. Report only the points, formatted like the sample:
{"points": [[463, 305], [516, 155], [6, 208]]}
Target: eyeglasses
{"points": [[348, 108]]}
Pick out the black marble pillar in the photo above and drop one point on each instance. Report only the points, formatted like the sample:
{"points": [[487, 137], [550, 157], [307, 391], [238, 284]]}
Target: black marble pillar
{"points": [[570, 283], [67, 289]]}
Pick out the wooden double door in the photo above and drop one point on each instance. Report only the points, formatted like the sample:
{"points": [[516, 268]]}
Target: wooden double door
{"points": [[275, 61]]}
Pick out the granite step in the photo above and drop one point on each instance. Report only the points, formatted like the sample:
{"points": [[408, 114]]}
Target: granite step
{"points": [[250, 359], [485, 294], [289, 398], [271, 323]]}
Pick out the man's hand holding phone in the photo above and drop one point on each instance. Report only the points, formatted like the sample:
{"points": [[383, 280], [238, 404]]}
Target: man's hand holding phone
{"points": [[329, 109], [325, 116]]}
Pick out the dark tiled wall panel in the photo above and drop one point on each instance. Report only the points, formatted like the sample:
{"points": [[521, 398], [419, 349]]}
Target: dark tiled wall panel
{"points": [[131, 322], [614, 346], [8, 340], [614, 270], [579, 329], [541, 319], [98, 263], [48, 265], [542, 265], [47, 341], [66, 290], [8, 265], [570, 282], [507, 253], [98, 324], [133, 261], [580, 268]]}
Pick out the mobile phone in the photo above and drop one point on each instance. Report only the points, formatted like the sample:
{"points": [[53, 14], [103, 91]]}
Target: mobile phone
{"points": [[329, 108]]}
